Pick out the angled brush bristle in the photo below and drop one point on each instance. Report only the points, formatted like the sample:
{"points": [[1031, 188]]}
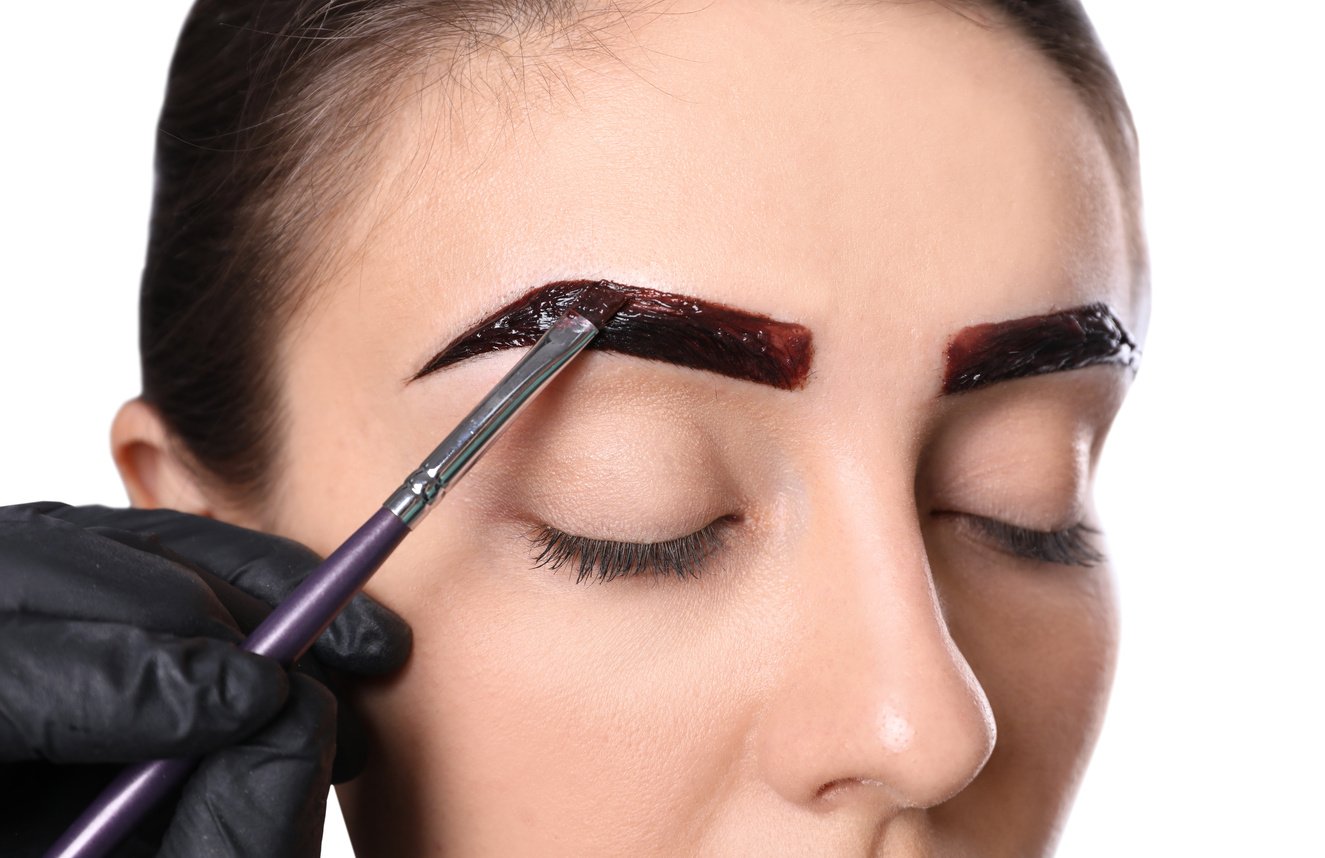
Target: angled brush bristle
{"points": [[600, 302]]}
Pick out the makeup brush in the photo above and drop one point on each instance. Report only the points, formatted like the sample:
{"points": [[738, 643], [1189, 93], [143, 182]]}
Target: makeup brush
{"points": [[302, 616]]}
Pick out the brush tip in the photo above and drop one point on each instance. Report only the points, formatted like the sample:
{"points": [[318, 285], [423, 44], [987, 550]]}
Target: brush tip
{"points": [[599, 302]]}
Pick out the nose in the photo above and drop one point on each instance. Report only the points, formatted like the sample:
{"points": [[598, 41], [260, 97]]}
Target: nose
{"points": [[877, 706]]}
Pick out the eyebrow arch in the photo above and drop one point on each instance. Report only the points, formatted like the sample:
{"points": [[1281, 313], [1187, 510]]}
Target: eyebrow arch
{"points": [[655, 325], [1084, 336]]}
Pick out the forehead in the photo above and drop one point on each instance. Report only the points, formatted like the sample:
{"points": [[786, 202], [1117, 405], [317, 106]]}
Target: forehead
{"points": [[886, 160]]}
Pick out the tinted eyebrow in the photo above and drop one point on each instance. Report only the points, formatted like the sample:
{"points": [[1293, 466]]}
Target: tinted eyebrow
{"points": [[655, 325], [1084, 336]]}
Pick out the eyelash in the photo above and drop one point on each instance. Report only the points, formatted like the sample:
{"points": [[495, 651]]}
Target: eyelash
{"points": [[1071, 546], [604, 560]]}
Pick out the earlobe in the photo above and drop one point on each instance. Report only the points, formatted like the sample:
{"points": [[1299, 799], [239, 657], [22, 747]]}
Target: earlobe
{"points": [[152, 470]]}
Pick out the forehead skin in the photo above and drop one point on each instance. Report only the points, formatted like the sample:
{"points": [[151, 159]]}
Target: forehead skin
{"points": [[803, 160]]}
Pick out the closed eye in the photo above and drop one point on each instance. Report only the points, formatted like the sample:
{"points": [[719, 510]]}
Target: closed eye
{"points": [[1071, 546], [604, 560]]}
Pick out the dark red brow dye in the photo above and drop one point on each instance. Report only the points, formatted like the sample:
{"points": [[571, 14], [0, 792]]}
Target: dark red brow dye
{"points": [[655, 325], [1071, 339]]}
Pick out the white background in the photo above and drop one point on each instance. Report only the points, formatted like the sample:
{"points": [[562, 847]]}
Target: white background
{"points": [[1209, 485]]}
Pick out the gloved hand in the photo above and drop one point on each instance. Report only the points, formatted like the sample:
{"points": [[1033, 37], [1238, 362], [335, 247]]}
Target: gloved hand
{"points": [[118, 633]]}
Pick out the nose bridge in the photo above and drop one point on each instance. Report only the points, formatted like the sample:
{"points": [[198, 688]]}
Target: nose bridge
{"points": [[878, 703]]}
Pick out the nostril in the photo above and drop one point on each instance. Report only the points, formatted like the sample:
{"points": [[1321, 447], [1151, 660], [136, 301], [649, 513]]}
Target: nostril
{"points": [[831, 788], [839, 790]]}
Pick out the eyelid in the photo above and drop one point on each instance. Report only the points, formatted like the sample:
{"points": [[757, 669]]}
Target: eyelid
{"points": [[605, 559], [1070, 546]]}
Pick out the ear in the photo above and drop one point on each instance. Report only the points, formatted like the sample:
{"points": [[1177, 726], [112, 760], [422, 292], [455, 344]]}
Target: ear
{"points": [[152, 469]]}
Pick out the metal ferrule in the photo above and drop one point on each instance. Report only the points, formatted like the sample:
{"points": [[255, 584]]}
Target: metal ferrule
{"points": [[461, 449]]}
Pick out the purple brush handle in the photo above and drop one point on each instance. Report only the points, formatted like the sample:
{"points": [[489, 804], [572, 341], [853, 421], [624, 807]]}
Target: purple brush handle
{"points": [[285, 635]]}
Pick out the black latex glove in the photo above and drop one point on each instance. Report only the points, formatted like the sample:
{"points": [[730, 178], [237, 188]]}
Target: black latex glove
{"points": [[118, 633]]}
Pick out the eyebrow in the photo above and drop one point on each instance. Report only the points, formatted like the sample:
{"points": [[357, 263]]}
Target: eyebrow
{"points": [[655, 325], [1084, 336]]}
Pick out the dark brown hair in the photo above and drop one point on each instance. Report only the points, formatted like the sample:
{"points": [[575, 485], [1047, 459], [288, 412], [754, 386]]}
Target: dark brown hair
{"points": [[270, 104]]}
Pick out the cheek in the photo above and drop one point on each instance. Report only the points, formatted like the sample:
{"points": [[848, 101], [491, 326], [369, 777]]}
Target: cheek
{"points": [[1043, 643], [529, 699], [1050, 651], [1042, 640]]}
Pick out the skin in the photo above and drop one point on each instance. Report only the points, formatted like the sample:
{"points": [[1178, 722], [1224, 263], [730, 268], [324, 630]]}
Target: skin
{"points": [[857, 671]]}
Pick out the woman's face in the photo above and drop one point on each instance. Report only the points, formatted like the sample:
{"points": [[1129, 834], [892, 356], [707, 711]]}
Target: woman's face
{"points": [[862, 667]]}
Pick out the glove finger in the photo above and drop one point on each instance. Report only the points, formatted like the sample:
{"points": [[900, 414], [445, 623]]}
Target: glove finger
{"points": [[100, 692], [266, 796], [351, 745], [370, 641], [366, 638], [56, 569], [351, 737]]}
